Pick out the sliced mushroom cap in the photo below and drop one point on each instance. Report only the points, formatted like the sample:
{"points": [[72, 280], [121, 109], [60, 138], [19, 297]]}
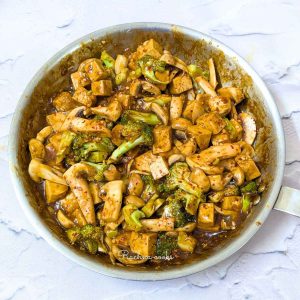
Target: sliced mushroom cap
{"points": [[175, 158], [76, 177], [238, 175], [249, 127], [150, 88], [233, 93], [44, 133], [37, 171], [161, 113]]}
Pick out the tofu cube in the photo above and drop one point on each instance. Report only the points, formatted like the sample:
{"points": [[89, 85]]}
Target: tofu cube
{"points": [[56, 120], [84, 96], [142, 162], [181, 84], [143, 243], [80, 79], [248, 166], [232, 203], [64, 102], [211, 121], [201, 135], [219, 104], [159, 168], [206, 214], [95, 70], [162, 139], [102, 88], [150, 47], [54, 191]]}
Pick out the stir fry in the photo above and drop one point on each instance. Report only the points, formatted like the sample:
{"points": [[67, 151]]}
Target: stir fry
{"points": [[145, 155]]}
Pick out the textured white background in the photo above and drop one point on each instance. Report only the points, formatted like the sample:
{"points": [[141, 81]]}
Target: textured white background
{"points": [[264, 32]]}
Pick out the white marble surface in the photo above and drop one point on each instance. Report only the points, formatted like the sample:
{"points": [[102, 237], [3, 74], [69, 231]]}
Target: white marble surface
{"points": [[265, 32]]}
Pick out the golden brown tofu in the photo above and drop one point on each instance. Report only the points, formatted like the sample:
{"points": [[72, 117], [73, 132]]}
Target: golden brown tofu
{"points": [[211, 121], [150, 47], [188, 111], [64, 102], [233, 93], [56, 120], [84, 96], [95, 70], [54, 191], [135, 87], [159, 168], [220, 138], [124, 99], [80, 79], [181, 84], [142, 162], [143, 243], [219, 104], [206, 214], [162, 139], [232, 203], [248, 166], [201, 135], [188, 148], [102, 88]]}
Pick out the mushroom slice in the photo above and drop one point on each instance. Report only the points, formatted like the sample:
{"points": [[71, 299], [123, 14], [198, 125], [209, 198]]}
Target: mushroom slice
{"points": [[75, 177], [150, 88], [161, 113], [249, 127], [205, 85], [64, 220], [37, 171], [175, 158], [212, 73], [44, 133]]}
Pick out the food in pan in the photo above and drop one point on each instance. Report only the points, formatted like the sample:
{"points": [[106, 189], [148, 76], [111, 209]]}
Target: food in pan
{"points": [[147, 159]]}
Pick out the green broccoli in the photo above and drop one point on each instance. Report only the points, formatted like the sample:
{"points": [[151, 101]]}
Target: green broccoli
{"points": [[149, 66], [177, 178], [165, 244], [175, 209], [65, 145], [107, 60], [99, 168], [132, 216], [195, 71], [89, 238], [150, 189], [160, 99], [246, 202], [141, 134], [87, 151], [230, 129], [148, 118], [190, 201], [250, 187]]}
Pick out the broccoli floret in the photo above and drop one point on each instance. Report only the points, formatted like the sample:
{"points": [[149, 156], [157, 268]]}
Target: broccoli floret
{"points": [[149, 66], [103, 149], [195, 71], [132, 217], [148, 118], [177, 178], [175, 209], [89, 238], [65, 145], [250, 187], [100, 168], [150, 188], [165, 244], [190, 201], [141, 134], [107, 60]]}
